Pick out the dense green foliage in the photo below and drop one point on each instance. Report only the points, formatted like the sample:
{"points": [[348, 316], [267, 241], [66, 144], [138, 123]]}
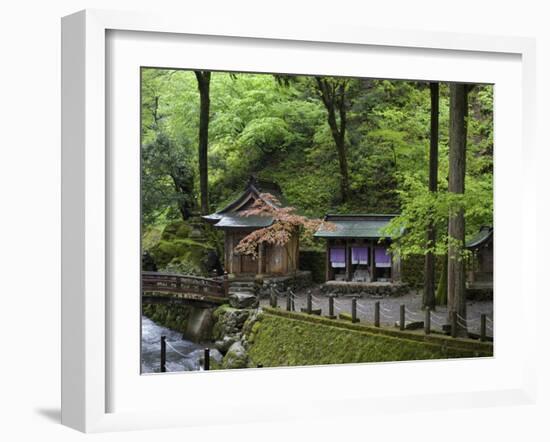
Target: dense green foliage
{"points": [[276, 129]]}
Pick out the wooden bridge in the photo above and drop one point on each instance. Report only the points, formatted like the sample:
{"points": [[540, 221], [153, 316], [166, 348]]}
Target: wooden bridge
{"points": [[168, 288]]}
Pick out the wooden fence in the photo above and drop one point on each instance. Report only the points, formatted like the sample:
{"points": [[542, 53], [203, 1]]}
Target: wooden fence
{"points": [[454, 324]]}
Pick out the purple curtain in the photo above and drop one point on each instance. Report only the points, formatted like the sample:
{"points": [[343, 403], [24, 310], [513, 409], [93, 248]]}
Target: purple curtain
{"points": [[338, 255], [381, 257], [359, 255]]}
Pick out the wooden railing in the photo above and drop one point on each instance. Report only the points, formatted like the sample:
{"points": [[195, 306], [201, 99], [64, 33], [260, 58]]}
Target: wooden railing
{"points": [[184, 284]]}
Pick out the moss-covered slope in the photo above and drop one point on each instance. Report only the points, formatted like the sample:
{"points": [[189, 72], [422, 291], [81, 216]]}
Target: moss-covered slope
{"points": [[293, 339]]}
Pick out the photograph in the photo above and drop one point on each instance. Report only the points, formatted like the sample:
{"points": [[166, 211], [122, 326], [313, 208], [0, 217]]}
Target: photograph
{"points": [[303, 220]]}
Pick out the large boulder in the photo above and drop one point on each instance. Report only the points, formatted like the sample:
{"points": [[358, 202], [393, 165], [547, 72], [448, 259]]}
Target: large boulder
{"points": [[228, 321], [224, 344], [243, 300], [236, 357]]}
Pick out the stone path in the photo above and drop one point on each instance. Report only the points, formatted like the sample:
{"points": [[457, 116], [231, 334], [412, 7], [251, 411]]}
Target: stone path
{"points": [[389, 309]]}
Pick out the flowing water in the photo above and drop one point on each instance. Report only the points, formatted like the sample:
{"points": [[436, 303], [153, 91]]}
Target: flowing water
{"points": [[181, 354]]}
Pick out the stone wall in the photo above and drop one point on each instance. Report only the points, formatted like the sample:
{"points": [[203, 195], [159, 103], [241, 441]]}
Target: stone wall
{"points": [[295, 282], [231, 330], [366, 289], [194, 323]]}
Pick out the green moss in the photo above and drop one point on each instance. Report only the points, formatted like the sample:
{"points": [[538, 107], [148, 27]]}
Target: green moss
{"points": [[346, 317], [176, 230], [251, 335], [289, 340], [151, 237], [235, 358], [174, 317], [174, 250], [214, 365], [223, 309], [469, 345]]}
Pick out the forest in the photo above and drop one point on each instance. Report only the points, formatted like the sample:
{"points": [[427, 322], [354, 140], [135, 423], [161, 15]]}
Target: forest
{"points": [[332, 144]]}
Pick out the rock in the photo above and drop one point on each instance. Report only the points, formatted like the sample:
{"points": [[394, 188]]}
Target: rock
{"points": [[243, 300], [215, 358], [236, 357], [314, 311], [412, 325], [229, 321], [250, 328], [224, 344]]}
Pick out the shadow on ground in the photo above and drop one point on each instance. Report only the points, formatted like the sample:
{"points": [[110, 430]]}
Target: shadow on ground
{"points": [[51, 414]]}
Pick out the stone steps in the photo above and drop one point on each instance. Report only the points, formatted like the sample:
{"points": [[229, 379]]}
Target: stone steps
{"points": [[242, 287]]}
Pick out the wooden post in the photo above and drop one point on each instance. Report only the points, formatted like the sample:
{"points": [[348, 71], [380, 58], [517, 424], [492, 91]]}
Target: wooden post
{"points": [[454, 324], [354, 310], [427, 320], [331, 307], [372, 269], [348, 261], [402, 317], [163, 354], [483, 328], [206, 359], [288, 301], [309, 306], [260, 258], [273, 298], [225, 284], [377, 314], [327, 262]]}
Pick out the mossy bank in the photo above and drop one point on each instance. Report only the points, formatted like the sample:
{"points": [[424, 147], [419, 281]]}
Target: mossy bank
{"points": [[280, 338], [272, 337]]}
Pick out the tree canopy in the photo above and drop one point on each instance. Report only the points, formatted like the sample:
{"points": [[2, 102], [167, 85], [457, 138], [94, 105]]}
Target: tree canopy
{"points": [[279, 129]]}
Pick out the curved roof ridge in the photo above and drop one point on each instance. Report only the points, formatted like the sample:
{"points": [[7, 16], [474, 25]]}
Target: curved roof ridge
{"points": [[484, 235], [251, 191]]}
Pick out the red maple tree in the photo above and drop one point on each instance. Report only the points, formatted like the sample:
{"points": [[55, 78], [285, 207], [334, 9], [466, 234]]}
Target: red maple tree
{"points": [[285, 223]]}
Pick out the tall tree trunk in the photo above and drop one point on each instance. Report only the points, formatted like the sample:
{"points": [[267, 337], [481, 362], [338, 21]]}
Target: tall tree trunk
{"points": [[203, 80], [333, 96], [428, 299], [456, 284], [441, 293]]}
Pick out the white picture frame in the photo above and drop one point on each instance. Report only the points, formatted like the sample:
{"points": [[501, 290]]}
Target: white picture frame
{"points": [[87, 210]]}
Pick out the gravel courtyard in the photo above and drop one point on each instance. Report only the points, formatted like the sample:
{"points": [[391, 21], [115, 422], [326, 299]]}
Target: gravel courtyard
{"points": [[389, 308]]}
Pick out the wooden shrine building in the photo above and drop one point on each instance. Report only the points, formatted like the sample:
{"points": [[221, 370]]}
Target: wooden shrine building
{"points": [[357, 250], [271, 260], [480, 266]]}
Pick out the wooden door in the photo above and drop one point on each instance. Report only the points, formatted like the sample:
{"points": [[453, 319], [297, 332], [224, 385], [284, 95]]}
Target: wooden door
{"points": [[248, 264]]}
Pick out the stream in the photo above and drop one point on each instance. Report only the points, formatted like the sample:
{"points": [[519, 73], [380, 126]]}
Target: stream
{"points": [[181, 354]]}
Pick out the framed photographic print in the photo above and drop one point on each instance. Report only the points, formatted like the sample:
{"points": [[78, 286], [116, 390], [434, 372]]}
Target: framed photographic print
{"points": [[251, 216]]}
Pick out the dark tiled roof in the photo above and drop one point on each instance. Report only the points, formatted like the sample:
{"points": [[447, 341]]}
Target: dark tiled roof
{"points": [[244, 222], [355, 226], [229, 217], [484, 235]]}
